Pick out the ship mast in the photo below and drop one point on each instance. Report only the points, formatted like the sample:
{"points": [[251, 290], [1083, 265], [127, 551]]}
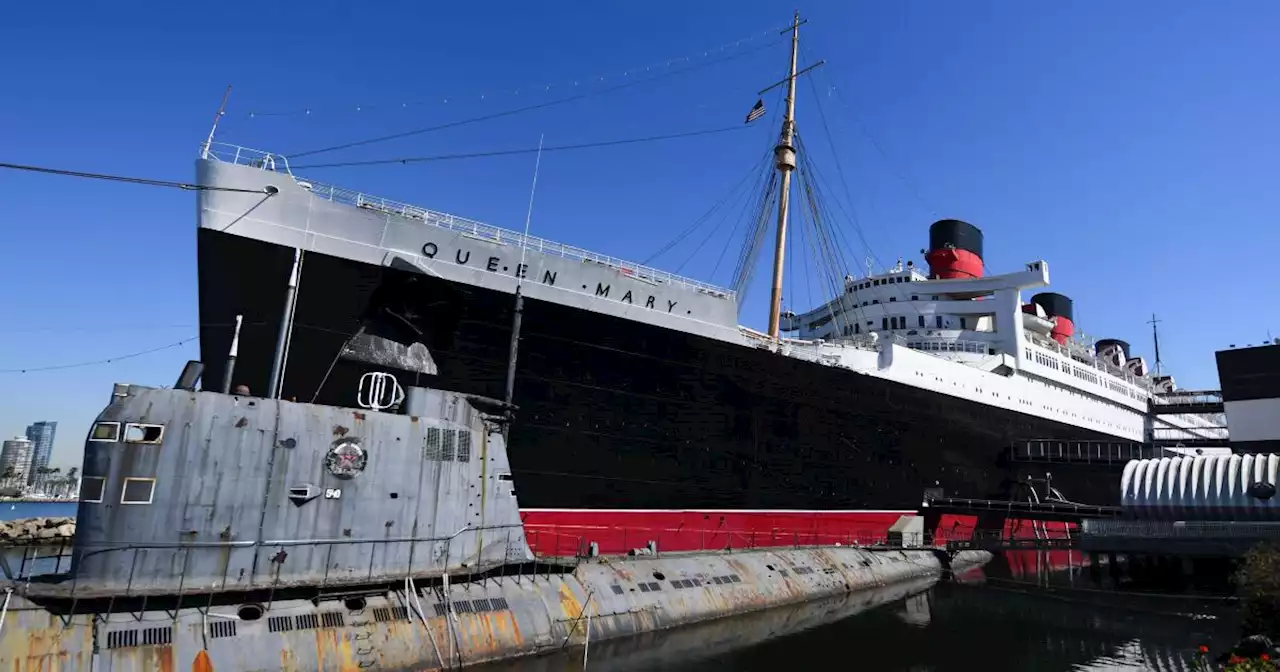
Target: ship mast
{"points": [[1155, 336], [785, 161]]}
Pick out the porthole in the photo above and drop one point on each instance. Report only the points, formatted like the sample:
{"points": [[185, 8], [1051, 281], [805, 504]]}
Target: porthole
{"points": [[250, 612]]}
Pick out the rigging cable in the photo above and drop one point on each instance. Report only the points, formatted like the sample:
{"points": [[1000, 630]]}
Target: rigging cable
{"points": [[902, 292], [131, 355], [308, 111], [746, 205], [829, 266], [528, 150], [749, 253], [109, 360], [761, 180], [752, 171], [762, 190], [269, 191], [527, 108], [909, 185]]}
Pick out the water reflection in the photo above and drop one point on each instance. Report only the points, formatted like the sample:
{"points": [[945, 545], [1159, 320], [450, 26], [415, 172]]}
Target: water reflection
{"points": [[991, 623], [707, 645]]}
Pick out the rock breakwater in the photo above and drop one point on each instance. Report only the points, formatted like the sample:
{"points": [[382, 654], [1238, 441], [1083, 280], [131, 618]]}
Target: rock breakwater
{"points": [[39, 530]]}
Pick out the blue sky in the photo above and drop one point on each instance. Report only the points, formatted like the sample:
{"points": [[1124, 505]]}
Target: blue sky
{"points": [[1131, 145]]}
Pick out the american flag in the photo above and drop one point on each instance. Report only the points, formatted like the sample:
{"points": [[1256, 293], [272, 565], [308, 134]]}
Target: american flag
{"points": [[756, 112]]}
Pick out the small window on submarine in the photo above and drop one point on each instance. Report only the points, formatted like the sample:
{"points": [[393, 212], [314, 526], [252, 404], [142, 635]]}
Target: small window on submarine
{"points": [[105, 431], [136, 432]]}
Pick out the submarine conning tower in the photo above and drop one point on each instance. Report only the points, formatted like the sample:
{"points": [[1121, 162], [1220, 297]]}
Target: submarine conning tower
{"points": [[1060, 310], [187, 491], [955, 250]]}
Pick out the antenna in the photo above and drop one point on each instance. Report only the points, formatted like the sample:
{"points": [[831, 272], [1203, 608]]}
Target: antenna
{"points": [[1155, 336], [785, 160], [222, 109], [520, 273]]}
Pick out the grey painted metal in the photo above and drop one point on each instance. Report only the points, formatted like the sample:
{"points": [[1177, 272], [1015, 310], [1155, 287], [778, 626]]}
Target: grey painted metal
{"points": [[498, 617], [242, 497]]}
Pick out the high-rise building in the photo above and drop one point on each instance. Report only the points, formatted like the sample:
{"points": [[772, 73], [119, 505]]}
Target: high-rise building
{"points": [[40, 434], [15, 460]]}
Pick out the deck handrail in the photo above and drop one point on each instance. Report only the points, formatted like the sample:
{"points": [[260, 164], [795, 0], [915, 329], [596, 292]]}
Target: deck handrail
{"points": [[262, 160]]}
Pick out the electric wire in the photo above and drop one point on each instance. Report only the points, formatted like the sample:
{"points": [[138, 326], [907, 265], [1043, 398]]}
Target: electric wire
{"points": [[133, 180], [526, 108]]}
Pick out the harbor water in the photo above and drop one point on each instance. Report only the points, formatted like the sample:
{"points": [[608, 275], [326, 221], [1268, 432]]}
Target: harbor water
{"points": [[1051, 623]]}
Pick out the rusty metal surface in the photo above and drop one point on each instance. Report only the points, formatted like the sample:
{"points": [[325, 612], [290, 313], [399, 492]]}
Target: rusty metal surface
{"points": [[658, 650], [493, 619], [429, 499]]}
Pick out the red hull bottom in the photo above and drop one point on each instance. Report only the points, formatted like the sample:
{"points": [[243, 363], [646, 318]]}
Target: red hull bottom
{"points": [[567, 532]]}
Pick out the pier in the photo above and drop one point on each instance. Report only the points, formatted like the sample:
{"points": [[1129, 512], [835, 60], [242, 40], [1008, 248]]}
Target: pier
{"points": [[1114, 454], [1188, 402]]}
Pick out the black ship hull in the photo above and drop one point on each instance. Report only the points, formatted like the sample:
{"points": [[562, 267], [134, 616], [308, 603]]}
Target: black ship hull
{"points": [[620, 415]]}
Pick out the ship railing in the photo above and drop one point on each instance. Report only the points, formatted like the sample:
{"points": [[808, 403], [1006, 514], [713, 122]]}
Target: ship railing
{"points": [[23, 560], [247, 156], [824, 350], [1084, 452], [265, 160], [553, 542]]}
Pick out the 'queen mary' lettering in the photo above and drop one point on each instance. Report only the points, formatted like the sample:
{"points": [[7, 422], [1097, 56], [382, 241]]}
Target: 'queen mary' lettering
{"points": [[494, 264]]}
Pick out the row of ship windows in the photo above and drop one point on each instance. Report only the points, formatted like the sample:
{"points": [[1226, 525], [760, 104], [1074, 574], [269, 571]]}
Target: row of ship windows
{"points": [[1026, 402], [129, 432], [899, 322], [136, 490], [1082, 374], [882, 281], [952, 346], [892, 299]]}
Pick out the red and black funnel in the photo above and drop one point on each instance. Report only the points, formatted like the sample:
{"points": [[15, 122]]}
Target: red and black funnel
{"points": [[955, 250], [1060, 310]]}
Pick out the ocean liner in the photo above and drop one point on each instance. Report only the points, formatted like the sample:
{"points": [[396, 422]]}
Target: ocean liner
{"points": [[643, 404]]}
